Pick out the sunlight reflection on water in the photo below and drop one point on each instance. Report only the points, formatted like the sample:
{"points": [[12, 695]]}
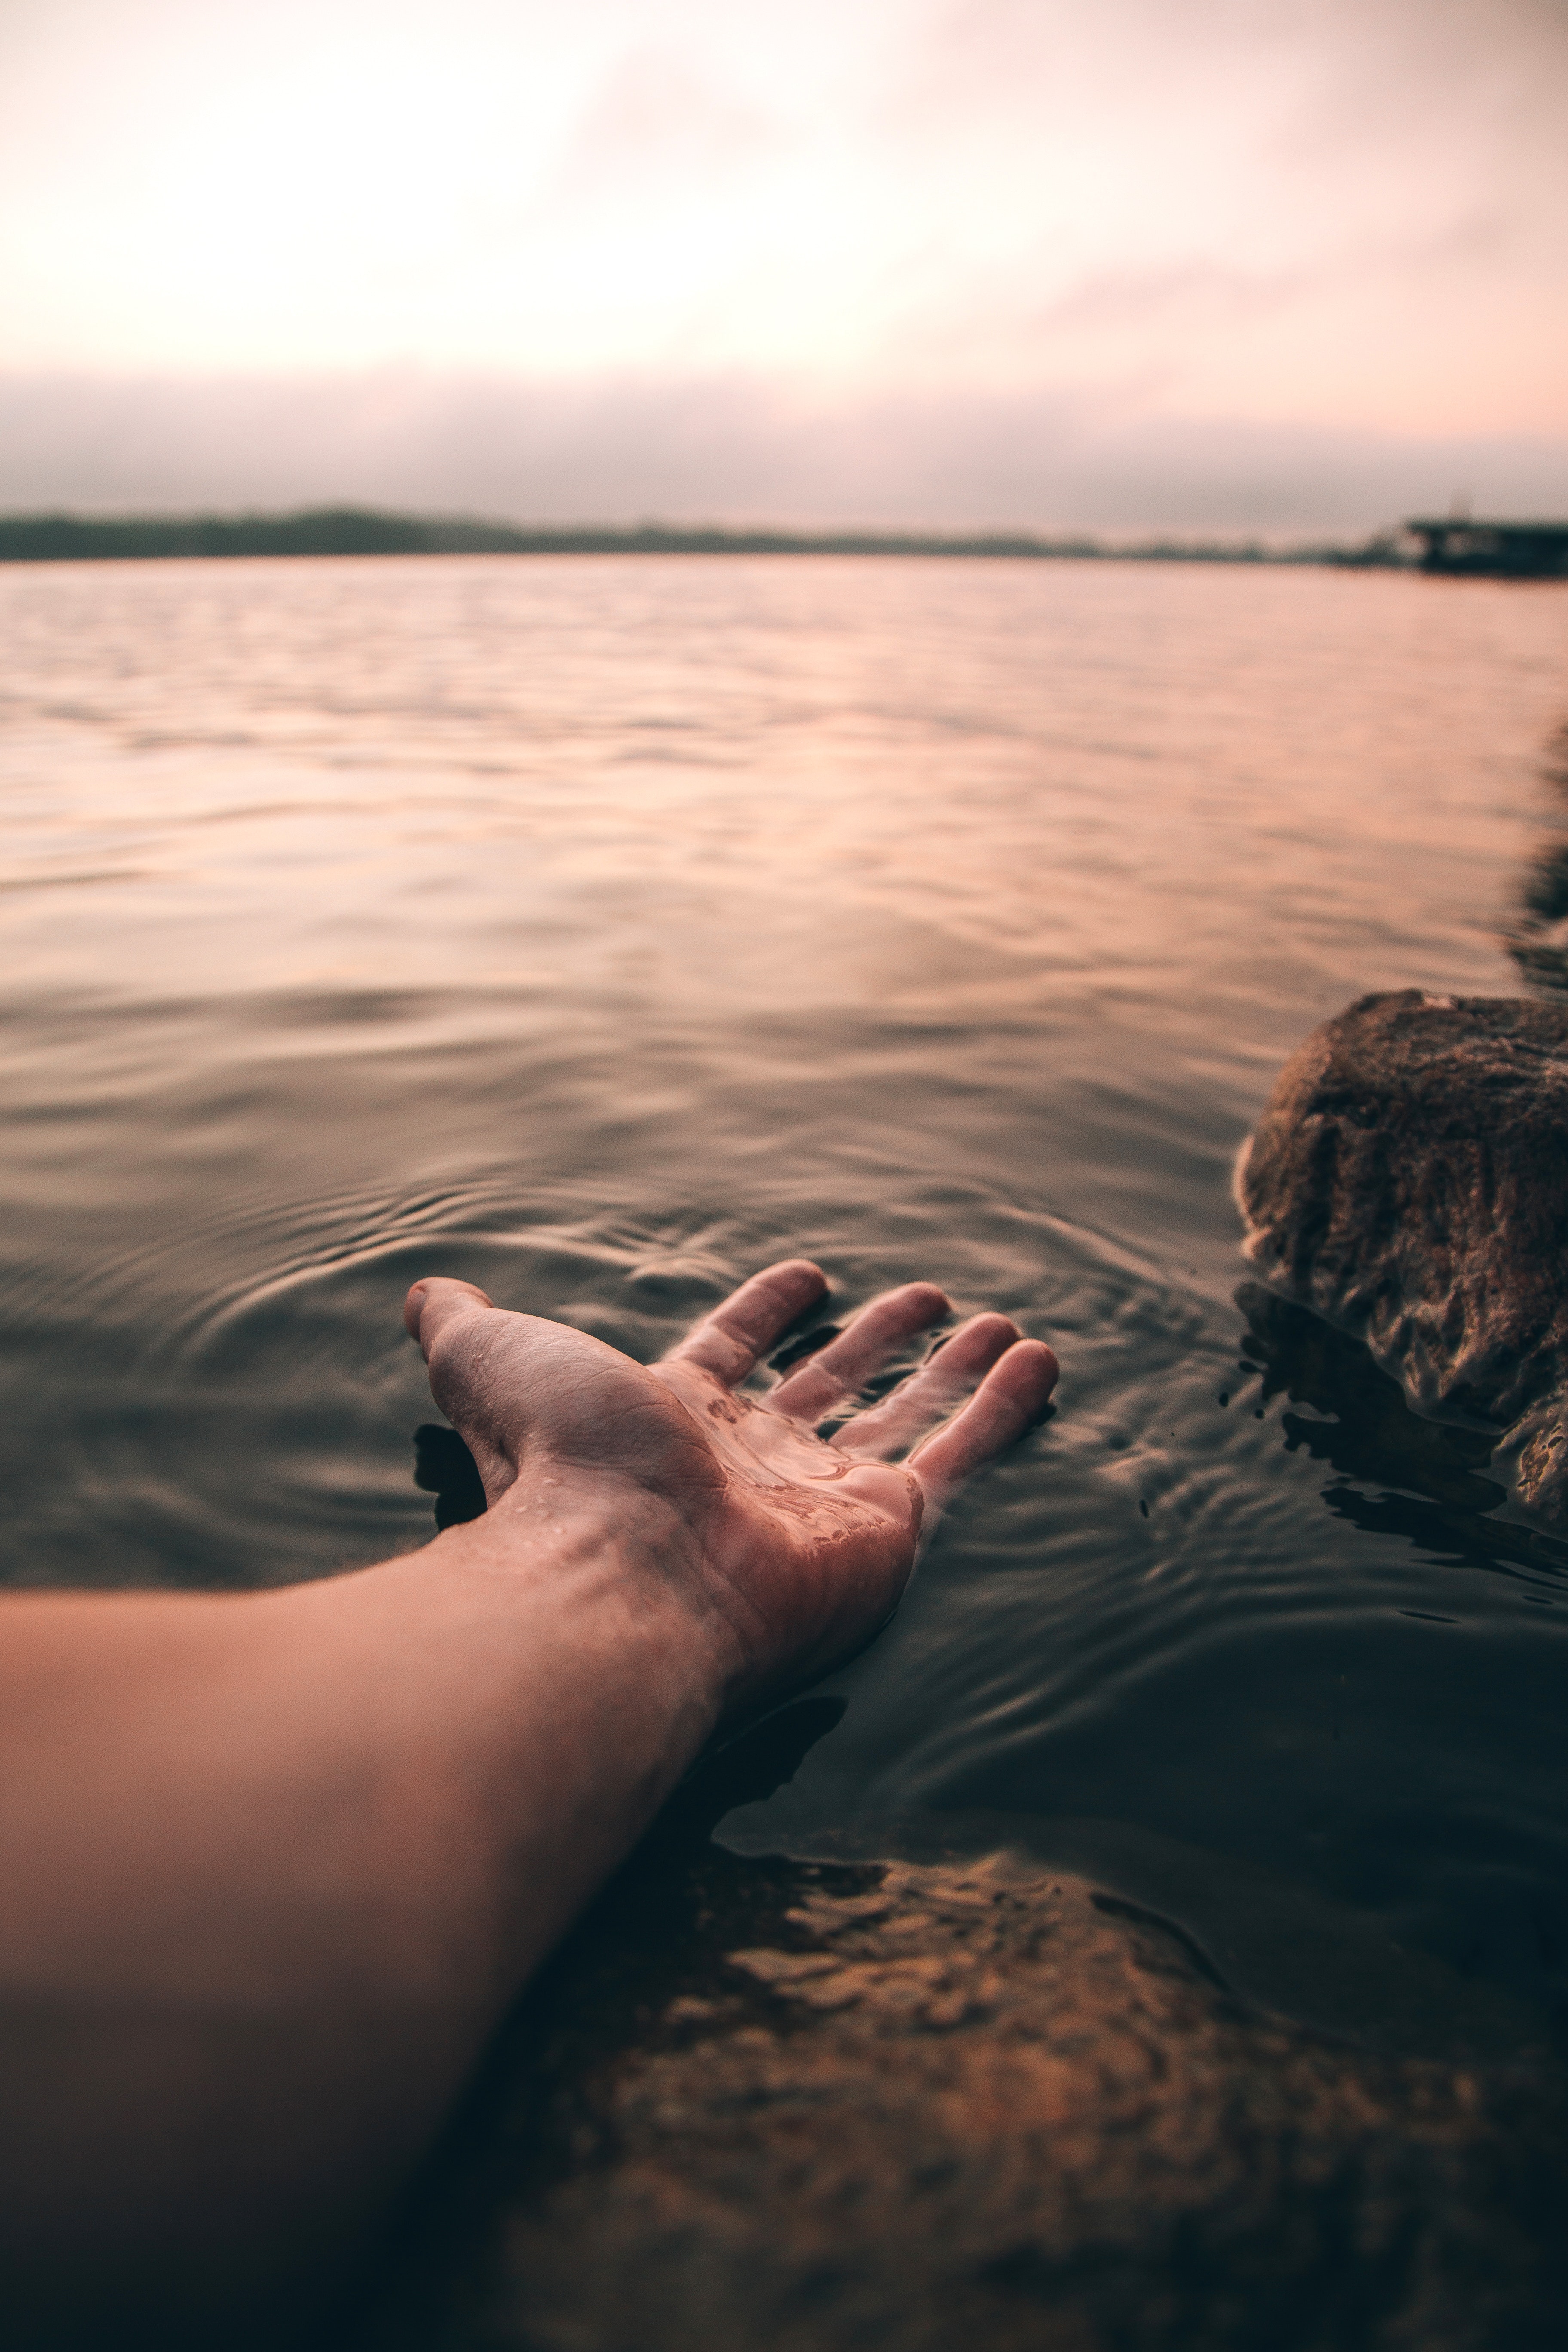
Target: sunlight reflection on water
{"points": [[598, 928]]}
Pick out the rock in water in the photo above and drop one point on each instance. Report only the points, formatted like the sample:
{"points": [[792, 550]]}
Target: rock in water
{"points": [[924, 2107], [1409, 1180]]}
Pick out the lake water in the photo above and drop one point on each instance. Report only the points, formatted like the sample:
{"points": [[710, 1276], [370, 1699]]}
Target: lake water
{"points": [[598, 929]]}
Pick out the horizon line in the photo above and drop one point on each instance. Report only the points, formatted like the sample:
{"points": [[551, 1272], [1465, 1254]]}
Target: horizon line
{"points": [[63, 534]]}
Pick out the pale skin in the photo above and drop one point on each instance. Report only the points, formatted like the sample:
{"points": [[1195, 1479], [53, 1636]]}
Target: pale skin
{"points": [[273, 1865]]}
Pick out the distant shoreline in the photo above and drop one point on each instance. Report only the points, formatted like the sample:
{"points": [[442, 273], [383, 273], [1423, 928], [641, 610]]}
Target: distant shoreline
{"points": [[65, 537]]}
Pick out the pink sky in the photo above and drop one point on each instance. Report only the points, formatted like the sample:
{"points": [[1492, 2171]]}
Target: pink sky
{"points": [[1186, 263]]}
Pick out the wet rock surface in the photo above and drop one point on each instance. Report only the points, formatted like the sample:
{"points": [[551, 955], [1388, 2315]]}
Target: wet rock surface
{"points": [[759, 2103], [1409, 1180]]}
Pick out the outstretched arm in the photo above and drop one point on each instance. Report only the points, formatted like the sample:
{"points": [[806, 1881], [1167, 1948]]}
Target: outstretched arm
{"points": [[272, 1865]]}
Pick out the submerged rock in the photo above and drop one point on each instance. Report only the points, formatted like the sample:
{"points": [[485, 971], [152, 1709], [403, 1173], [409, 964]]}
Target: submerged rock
{"points": [[767, 2105], [1409, 1180], [977, 2106]]}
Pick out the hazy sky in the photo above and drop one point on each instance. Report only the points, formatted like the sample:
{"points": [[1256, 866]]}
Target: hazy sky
{"points": [[1187, 262]]}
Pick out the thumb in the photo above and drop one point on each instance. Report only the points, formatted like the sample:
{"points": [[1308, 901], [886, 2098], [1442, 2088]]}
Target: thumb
{"points": [[434, 1302], [454, 1324]]}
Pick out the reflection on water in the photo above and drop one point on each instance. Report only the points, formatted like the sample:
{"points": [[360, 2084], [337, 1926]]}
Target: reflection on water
{"points": [[1538, 933], [596, 931], [443, 1466], [1360, 1422], [1428, 1473]]}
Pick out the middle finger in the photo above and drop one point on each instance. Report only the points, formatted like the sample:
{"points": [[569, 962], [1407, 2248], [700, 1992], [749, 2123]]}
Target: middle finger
{"points": [[958, 1366], [842, 1367]]}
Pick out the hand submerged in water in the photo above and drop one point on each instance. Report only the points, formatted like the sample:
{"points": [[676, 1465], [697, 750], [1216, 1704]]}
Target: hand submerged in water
{"points": [[336, 1825], [793, 1548]]}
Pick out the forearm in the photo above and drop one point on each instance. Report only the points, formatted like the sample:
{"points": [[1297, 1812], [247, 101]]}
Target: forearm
{"points": [[272, 1865]]}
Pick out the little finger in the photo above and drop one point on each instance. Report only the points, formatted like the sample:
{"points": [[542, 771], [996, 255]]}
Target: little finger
{"points": [[1009, 1401]]}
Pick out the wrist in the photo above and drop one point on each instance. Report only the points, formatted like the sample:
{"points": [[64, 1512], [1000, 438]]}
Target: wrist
{"points": [[612, 1558]]}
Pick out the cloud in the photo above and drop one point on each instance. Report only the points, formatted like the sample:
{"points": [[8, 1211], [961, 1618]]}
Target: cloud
{"points": [[1192, 294], [1274, 208], [619, 449], [656, 124], [922, 259]]}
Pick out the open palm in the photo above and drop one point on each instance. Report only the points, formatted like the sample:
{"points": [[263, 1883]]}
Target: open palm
{"points": [[799, 1545]]}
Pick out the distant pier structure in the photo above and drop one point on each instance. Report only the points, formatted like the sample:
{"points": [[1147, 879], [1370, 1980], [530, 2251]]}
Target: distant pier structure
{"points": [[1493, 550]]}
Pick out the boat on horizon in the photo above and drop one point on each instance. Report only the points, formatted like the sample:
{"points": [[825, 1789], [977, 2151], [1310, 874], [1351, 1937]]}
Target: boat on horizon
{"points": [[1469, 548]]}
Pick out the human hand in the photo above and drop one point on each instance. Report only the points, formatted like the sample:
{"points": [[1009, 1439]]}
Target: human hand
{"points": [[793, 1548]]}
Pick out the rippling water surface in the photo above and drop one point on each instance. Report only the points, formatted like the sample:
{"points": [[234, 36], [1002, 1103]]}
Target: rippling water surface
{"points": [[598, 929]]}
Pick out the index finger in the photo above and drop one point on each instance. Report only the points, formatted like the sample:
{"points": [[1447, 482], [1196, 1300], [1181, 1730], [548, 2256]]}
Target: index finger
{"points": [[729, 1342]]}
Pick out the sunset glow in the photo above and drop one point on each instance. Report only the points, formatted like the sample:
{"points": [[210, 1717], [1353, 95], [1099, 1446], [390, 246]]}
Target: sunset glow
{"points": [[1328, 218]]}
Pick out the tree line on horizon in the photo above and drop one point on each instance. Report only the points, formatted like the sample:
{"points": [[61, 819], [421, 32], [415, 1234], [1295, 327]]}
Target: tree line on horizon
{"points": [[63, 537]]}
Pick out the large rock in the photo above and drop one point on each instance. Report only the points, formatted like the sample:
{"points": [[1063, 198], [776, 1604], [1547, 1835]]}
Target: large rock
{"points": [[1409, 1180], [769, 2106]]}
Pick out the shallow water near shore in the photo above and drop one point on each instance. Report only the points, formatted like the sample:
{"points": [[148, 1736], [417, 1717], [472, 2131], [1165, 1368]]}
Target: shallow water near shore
{"points": [[598, 929]]}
